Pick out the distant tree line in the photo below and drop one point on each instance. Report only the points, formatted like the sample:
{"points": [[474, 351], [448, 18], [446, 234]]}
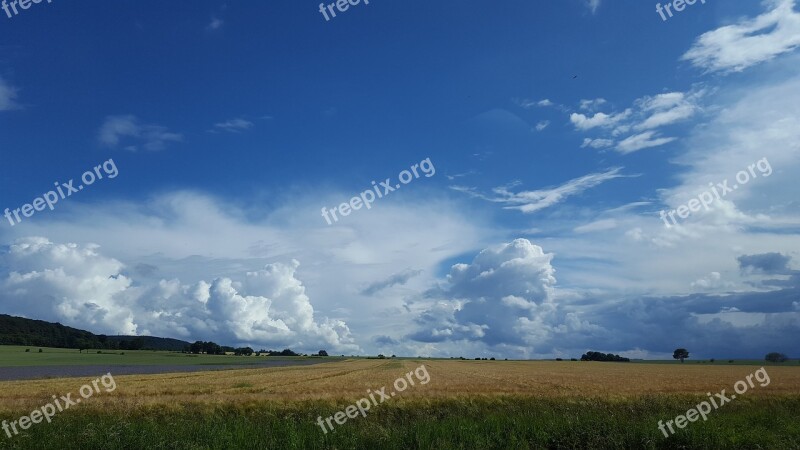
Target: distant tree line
{"points": [[598, 356]]}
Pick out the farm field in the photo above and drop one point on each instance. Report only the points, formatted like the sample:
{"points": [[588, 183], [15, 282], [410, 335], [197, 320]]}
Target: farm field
{"points": [[15, 356], [465, 404]]}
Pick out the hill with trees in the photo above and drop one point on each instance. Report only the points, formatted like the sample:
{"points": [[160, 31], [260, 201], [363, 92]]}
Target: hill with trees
{"points": [[39, 333]]}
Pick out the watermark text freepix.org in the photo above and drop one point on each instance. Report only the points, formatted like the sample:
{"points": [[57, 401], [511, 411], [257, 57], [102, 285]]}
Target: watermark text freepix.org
{"points": [[49, 410], [706, 198], [703, 408], [341, 5], [23, 4], [363, 405], [677, 5], [367, 197], [49, 199]]}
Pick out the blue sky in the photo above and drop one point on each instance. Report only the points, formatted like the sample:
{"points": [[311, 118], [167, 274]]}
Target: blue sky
{"points": [[558, 131]]}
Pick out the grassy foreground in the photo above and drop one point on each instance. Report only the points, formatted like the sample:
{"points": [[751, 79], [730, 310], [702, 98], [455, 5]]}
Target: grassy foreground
{"points": [[507, 422], [465, 405]]}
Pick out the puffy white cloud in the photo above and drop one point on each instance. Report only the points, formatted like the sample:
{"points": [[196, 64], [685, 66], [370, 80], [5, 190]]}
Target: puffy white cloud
{"points": [[503, 297], [506, 299], [603, 120], [78, 286], [66, 283], [733, 48]]}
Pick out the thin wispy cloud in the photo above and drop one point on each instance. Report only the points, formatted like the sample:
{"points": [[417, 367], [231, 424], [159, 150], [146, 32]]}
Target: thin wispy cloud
{"points": [[8, 96], [641, 141], [394, 280], [233, 126], [215, 24], [532, 201], [128, 132], [597, 143]]}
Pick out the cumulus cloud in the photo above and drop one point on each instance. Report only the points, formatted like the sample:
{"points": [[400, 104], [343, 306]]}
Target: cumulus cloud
{"points": [[733, 48], [768, 263], [542, 125], [494, 299], [81, 287], [507, 300], [135, 134]]}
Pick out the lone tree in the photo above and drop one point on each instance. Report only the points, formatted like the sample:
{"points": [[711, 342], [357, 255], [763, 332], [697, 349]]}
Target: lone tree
{"points": [[776, 357], [680, 353]]}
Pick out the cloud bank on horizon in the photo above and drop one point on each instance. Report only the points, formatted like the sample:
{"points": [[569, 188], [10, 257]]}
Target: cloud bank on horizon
{"points": [[540, 237]]}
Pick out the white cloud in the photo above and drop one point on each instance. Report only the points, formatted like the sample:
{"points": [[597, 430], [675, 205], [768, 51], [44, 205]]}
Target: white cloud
{"points": [[178, 247], [710, 282], [233, 125], [542, 125], [733, 48], [642, 140], [528, 103], [80, 287], [599, 225], [583, 122], [648, 113], [215, 24], [592, 105], [593, 5], [666, 109], [597, 143], [136, 135], [394, 280], [532, 201], [495, 299], [8, 95]]}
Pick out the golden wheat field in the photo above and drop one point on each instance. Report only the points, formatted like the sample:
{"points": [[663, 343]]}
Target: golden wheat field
{"points": [[350, 379]]}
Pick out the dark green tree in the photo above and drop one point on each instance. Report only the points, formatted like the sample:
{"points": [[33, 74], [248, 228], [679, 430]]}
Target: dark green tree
{"points": [[775, 357], [680, 353]]}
